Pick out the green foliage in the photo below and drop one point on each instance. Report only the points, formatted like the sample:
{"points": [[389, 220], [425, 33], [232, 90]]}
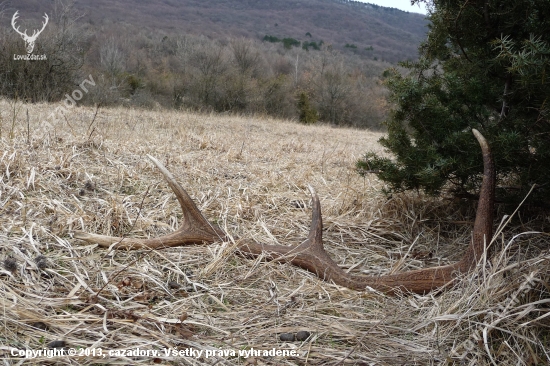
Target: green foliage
{"points": [[348, 45], [308, 35], [312, 44], [487, 71], [288, 43], [308, 114], [271, 39], [134, 83]]}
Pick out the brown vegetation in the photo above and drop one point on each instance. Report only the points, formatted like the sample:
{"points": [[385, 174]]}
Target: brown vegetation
{"points": [[90, 173], [139, 66], [393, 34]]}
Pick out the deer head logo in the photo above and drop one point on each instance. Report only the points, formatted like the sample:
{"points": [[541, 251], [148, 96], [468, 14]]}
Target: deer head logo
{"points": [[29, 40]]}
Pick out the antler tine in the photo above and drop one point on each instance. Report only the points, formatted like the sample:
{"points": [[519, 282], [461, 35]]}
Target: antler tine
{"points": [[316, 227], [194, 228], [483, 225], [190, 210], [310, 255], [193, 219]]}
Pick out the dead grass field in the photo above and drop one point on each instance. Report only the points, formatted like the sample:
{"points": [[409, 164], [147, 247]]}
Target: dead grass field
{"points": [[249, 175]]}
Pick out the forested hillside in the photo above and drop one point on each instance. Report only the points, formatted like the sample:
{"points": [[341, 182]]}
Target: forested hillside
{"points": [[309, 60], [393, 34]]}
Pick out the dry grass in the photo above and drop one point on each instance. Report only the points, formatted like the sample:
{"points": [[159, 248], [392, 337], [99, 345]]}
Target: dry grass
{"points": [[249, 175]]}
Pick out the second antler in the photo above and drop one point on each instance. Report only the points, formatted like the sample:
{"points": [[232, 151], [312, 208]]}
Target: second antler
{"points": [[311, 255]]}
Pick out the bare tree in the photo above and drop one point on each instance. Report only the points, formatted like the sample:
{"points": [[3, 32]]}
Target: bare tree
{"points": [[113, 60], [332, 89], [246, 56], [210, 62]]}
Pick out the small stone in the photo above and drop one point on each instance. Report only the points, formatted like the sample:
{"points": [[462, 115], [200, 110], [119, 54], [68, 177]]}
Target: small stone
{"points": [[41, 262], [10, 264], [40, 325], [173, 285], [287, 337], [89, 186], [57, 344], [302, 335]]}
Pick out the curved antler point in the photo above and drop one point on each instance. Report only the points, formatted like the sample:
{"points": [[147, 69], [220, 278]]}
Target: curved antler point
{"points": [[311, 190], [480, 138]]}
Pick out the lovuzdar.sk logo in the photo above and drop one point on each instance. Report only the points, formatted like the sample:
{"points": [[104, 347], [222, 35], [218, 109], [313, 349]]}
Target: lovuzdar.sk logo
{"points": [[29, 40]]}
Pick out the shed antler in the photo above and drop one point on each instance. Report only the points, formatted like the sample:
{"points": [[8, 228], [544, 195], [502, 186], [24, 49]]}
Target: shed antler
{"points": [[311, 255]]}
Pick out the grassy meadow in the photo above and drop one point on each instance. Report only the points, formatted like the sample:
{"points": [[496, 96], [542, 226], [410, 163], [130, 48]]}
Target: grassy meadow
{"points": [[88, 171]]}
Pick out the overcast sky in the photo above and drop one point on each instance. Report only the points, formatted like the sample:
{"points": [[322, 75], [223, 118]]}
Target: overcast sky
{"points": [[399, 4]]}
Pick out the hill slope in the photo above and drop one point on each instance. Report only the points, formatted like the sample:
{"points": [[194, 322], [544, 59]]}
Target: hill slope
{"points": [[393, 34]]}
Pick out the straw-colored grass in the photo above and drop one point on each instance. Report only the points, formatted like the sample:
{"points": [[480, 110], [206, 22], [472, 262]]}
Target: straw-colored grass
{"points": [[249, 175]]}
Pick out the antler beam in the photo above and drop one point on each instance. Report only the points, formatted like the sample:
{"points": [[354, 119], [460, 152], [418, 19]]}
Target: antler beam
{"points": [[311, 255]]}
